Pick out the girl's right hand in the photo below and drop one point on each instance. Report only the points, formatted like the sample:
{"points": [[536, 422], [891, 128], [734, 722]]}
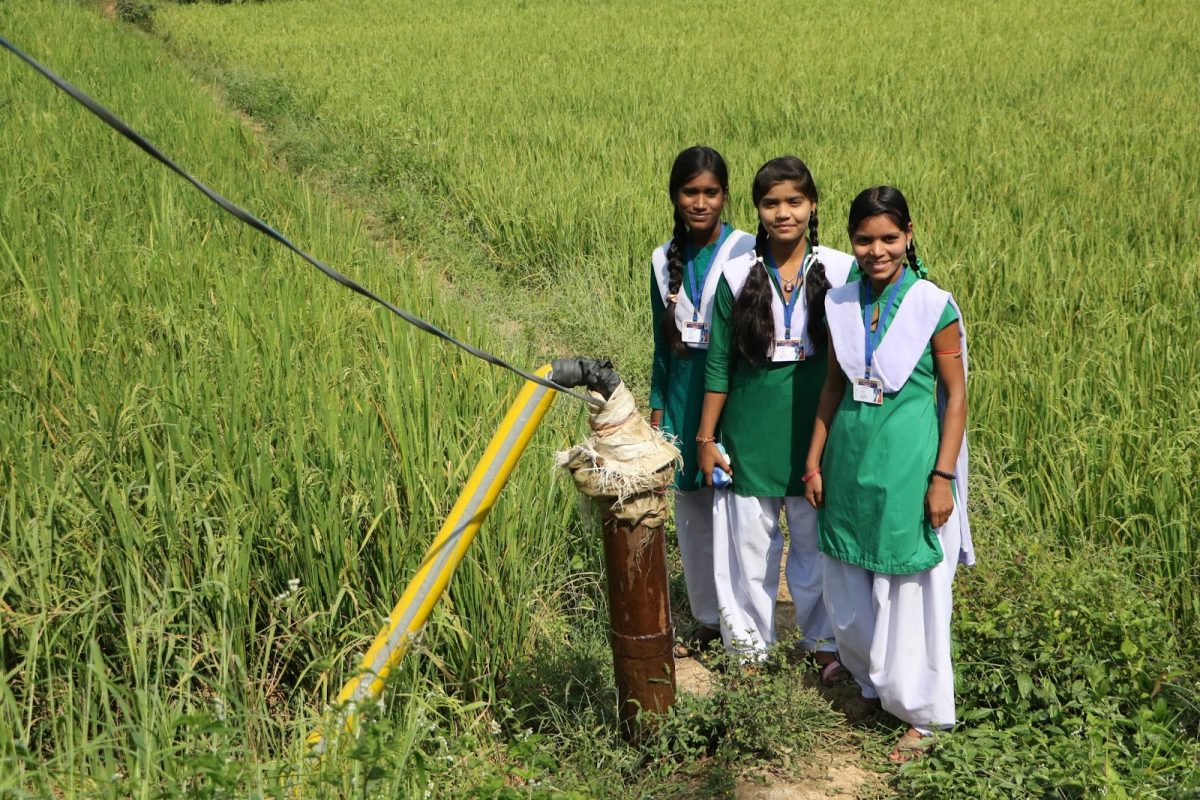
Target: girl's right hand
{"points": [[814, 491], [708, 456]]}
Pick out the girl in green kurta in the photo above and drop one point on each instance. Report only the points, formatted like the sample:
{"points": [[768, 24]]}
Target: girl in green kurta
{"points": [[765, 367], [683, 281], [889, 472]]}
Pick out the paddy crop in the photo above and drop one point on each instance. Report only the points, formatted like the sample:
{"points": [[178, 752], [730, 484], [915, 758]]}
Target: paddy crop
{"points": [[217, 467], [1047, 152]]}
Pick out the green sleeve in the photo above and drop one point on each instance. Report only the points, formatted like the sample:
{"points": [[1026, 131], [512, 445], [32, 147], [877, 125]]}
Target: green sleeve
{"points": [[718, 366], [660, 366], [949, 315]]}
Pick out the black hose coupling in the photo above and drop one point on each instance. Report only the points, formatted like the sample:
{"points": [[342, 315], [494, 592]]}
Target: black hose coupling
{"points": [[596, 374]]}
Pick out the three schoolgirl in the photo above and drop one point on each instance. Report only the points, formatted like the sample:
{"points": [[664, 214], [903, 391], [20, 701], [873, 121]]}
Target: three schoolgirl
{"points": [[862, 382]]}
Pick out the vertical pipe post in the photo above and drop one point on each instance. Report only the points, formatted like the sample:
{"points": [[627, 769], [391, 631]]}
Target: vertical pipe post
{"points": [[626, 467], [635, 562]]}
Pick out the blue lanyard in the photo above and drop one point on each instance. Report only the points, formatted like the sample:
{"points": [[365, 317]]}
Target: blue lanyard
{"points": [[873, 337], [696, 285], [789, 305]]}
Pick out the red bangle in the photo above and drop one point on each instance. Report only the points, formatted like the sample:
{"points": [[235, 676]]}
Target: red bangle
{"points": [[811, 475]]}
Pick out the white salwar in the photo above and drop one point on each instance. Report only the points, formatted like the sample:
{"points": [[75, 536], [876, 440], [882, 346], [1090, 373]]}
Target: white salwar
{"points": [[694, 527], [893, 633], [746, 567]]}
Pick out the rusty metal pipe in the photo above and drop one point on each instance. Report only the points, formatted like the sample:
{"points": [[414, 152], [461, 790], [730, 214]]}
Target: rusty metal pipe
{"points": [[635, 555], [635, 564]]}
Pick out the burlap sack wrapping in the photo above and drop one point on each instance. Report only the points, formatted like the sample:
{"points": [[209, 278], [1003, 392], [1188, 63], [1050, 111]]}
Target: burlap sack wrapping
{"points": [[625, 464]]}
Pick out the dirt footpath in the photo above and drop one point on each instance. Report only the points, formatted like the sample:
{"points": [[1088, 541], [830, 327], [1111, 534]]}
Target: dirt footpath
{"points": [[836, 775]]}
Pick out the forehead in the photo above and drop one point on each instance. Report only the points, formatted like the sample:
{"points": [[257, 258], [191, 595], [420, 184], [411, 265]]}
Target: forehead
{"points": [[784, 190], [878, 225], [702, 180]]}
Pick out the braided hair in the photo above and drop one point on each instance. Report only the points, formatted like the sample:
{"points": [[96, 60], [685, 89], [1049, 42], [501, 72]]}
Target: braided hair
{"points": [[753, 324], [887, 201], [688, 164]]}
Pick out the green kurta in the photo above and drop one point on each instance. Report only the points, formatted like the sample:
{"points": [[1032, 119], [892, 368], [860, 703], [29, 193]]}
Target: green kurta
{"points": [[769, 410], [876, 469], [677, 382]]}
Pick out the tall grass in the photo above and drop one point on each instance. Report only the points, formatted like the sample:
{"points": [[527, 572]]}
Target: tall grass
{"points": [[1047, 151], [191, 420]]}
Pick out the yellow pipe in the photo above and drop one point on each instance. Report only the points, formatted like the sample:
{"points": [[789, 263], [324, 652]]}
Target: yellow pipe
{"points": [[448, 548]]}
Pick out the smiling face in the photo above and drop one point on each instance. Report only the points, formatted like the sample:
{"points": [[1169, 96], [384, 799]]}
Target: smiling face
{"points": [[700, 201], [784, 211], [880, 245]]}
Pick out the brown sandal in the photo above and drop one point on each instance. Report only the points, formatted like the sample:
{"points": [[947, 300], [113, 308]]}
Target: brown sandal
{"points": [[860, 709]]}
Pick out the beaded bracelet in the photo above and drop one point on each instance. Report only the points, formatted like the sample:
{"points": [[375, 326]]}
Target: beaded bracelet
{"points": [[811, 475], [941, 474]]}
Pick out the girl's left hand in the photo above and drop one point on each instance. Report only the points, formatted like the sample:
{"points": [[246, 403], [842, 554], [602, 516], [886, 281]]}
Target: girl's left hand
{"points": [[939, 501], [814, 491]]}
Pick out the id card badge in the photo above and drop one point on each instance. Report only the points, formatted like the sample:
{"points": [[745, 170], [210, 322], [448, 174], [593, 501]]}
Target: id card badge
{"points": [[788, 350], [868, 390], [694, 333]]}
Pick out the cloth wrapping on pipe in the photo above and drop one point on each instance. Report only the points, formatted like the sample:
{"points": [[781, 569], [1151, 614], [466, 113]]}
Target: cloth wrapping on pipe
{"points": [[625, 463]]}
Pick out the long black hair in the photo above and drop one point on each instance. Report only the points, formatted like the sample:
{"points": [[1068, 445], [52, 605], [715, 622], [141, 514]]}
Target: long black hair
{"points": [[753, 323], [887, 201], [691, 162]]}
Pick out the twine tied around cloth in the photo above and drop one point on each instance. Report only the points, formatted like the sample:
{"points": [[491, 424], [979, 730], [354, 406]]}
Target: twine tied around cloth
{"points": [[625, 464]]}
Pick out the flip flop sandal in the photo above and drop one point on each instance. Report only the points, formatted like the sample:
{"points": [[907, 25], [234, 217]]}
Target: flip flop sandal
{"points": [[706, 636], [833, 673]]}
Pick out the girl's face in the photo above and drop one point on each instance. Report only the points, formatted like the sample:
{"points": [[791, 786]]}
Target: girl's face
{"points": [[700, 201], [784, 211], [879, 247]]}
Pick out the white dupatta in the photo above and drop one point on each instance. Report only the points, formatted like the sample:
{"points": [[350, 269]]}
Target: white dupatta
{"points": [[903, 344], [837, 268], [736, 244]]}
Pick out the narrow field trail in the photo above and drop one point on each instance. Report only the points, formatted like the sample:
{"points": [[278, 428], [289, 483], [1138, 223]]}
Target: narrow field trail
{"points": [[838, 773]]}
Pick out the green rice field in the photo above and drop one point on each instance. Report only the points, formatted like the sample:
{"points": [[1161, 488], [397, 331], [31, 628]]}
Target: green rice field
{"points": [[217, 468]]}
